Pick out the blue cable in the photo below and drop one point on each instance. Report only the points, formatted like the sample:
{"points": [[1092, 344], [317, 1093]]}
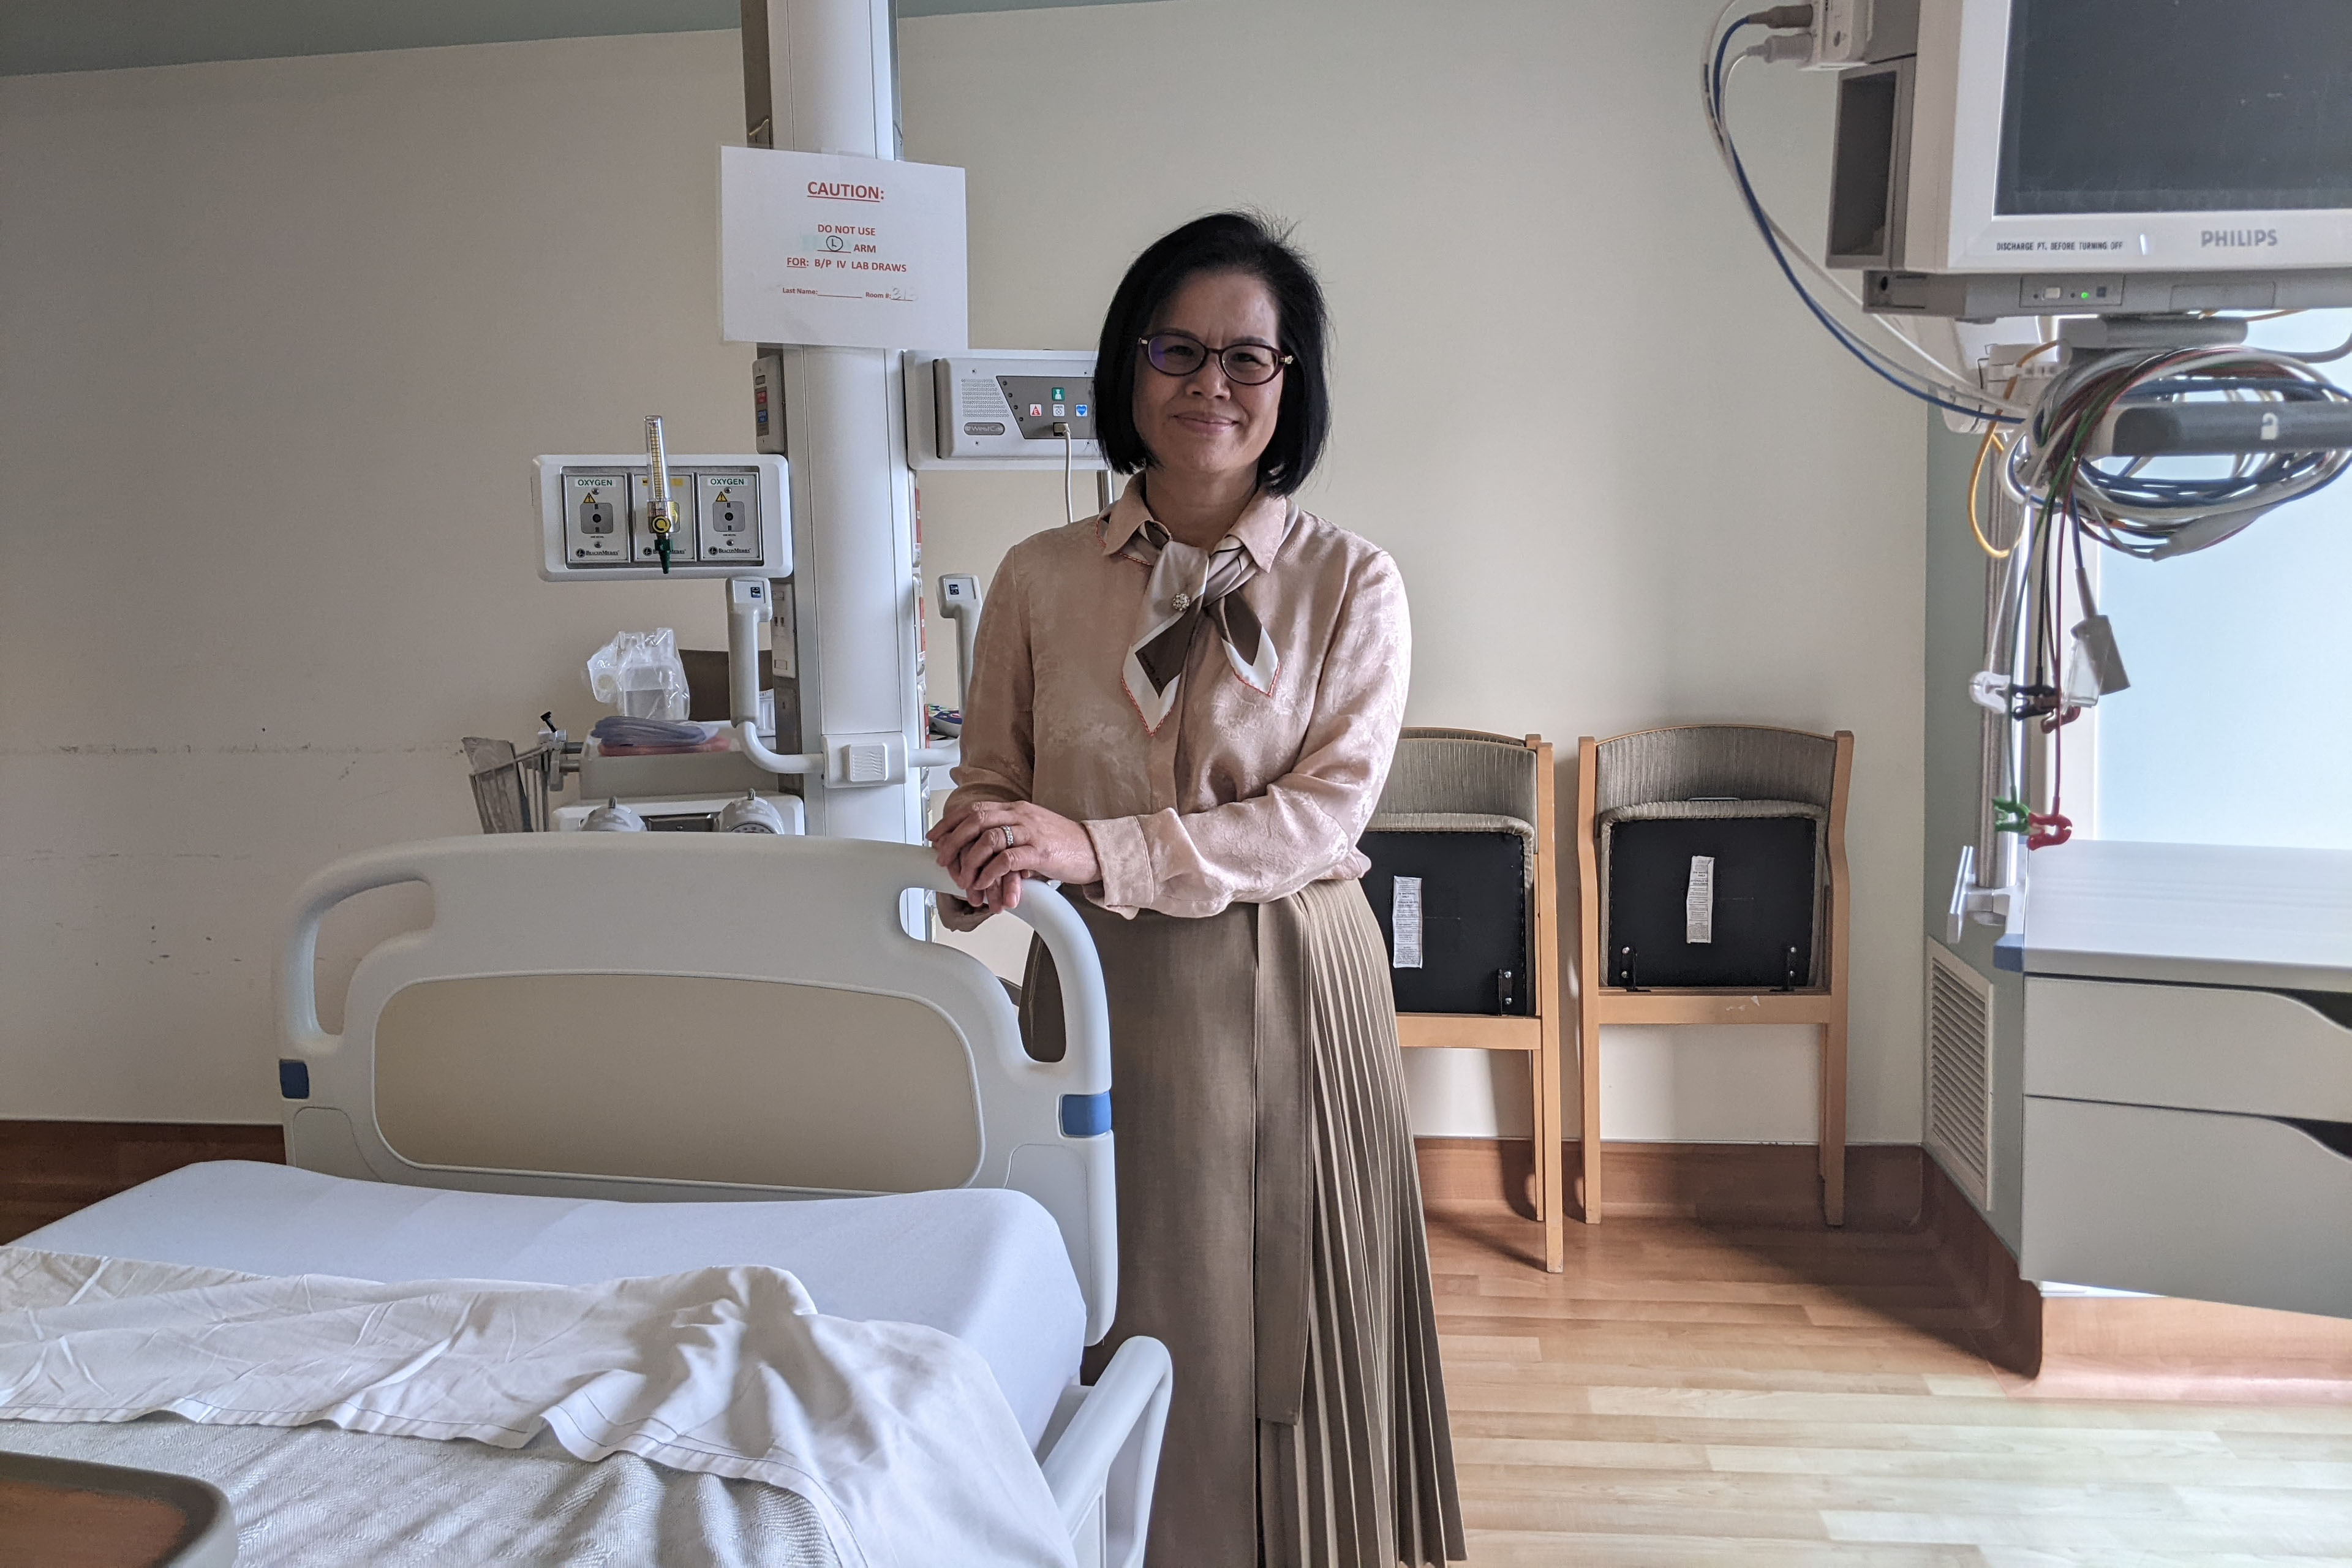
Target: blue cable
{"points": [[1764, 227]]}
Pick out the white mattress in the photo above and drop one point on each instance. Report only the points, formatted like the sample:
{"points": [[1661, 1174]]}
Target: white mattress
{"points": [[985, 1264]]}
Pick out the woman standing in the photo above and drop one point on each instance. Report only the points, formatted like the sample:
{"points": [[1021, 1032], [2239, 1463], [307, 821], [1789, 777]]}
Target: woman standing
{"points": [[1186, 707]]}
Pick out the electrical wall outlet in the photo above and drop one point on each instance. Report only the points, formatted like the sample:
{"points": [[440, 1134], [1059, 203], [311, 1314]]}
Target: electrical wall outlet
{"points": [[1861, 31], [1841, 32]]}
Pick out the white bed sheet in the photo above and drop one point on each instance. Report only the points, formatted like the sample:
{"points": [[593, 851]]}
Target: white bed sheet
{"points": [[985, 1264], [897, 1434], [317, 1497]]}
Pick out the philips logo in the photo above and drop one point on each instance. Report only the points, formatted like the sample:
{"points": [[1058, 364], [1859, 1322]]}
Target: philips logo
{"points": [[2238, 237]]}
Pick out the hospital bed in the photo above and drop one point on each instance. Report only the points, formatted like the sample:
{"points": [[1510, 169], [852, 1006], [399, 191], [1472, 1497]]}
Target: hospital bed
{"points": [[612, 1055]]}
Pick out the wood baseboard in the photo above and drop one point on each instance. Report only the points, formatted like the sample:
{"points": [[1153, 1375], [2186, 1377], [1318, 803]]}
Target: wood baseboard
{"points": [[1771, 1184], [49, 1169], [2002, 1311], [2053, 1347]]}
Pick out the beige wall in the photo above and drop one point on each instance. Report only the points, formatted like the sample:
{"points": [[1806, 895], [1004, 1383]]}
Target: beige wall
{"points": [[1627, 481], [277, 342], [278, 339]]}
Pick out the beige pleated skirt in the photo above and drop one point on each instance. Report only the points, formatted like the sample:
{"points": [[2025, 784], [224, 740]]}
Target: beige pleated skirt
{"points": [[1270, 1234]]}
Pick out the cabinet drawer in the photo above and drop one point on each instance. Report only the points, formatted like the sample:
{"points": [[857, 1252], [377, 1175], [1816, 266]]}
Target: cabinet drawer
{"points": [[2194, 1046], [2181, 1203]]}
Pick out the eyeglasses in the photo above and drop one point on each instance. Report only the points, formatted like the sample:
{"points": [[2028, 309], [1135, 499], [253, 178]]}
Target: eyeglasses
{"points": [[1245, 364]]}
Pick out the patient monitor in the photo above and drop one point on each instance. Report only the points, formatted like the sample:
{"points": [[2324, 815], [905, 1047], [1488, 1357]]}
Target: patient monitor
{"points": [[2141, 170], [2091, 156]]}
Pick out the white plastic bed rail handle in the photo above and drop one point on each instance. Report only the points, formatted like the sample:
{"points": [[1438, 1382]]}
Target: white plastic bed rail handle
{"points": [[1085, 1006], [298, 987], [1140, 1377]]}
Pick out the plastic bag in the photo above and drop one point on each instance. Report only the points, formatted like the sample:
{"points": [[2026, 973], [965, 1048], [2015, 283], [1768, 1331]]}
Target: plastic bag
{"points": [[640, 674]]}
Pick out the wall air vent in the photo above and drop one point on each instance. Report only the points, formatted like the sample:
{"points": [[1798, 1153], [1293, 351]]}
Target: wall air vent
{"points": [[1959, 1072]]}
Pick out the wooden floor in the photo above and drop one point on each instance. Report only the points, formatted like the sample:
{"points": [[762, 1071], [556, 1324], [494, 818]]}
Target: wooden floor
{"points": [[1695, 1395]]}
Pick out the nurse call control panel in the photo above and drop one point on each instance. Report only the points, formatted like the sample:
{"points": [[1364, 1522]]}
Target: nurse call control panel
{"points": [[596, 517], [1007, 409]]}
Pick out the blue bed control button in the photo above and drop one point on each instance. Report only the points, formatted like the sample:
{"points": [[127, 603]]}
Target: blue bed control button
{"points": [[1083, 1115], [2009, 953], [294, 1082]]}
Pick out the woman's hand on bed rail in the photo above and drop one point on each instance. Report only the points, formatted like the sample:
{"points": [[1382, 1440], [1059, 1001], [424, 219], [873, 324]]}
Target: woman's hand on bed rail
{"points": [[989, 847], [957, 915]]}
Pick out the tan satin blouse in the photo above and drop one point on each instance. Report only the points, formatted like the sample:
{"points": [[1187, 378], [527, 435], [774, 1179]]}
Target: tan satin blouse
{"points": [[1241, 796]]}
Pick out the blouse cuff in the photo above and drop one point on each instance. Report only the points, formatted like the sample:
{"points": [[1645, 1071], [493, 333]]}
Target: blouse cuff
{"points": [[1125, 859]]}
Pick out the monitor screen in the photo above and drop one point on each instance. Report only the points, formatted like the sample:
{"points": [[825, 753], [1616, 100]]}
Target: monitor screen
{"points": [[2177, 106]]}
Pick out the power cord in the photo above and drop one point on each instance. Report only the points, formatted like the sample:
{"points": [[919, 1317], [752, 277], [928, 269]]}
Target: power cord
{"points": [[1069, 507], [1945, 387], [2154, 516]]}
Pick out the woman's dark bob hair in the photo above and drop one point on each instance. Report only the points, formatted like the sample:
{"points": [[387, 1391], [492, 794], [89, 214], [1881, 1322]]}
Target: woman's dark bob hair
{"points": [[1224, 242]]}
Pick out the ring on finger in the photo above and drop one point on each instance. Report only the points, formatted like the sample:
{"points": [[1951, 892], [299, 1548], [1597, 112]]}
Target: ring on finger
{"points": [[1007, 831]]}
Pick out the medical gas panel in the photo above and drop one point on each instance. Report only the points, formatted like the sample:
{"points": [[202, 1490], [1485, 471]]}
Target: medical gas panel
{"points": [[733, 517], [1002, 410]]}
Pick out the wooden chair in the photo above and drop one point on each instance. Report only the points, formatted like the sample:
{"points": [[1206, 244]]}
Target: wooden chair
{"points": [[1468, 773], [1749, 762]]}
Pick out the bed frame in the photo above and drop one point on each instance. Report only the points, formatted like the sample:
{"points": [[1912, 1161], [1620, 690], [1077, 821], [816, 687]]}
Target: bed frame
{"points": [[692, 1017]]}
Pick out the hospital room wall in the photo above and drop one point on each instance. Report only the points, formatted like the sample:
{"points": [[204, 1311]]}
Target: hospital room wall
{"points": [[1628, 481], [280, 337], [278, 340]]}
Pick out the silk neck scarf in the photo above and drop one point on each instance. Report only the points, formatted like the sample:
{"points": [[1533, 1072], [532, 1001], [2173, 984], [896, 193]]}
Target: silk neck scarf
{"points": [[1191, 588]]}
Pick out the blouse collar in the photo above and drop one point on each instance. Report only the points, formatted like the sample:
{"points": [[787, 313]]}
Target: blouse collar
{"points": [[1262, 527]]}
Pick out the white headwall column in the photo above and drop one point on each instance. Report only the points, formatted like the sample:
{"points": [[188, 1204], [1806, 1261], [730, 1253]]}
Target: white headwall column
{"points": [[830, 90]]}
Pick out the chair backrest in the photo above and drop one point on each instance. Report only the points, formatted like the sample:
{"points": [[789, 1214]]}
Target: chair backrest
{"points": [[1741, 760], [1751, 762], [1462, 772], [685, 1016], [1766, 770]]}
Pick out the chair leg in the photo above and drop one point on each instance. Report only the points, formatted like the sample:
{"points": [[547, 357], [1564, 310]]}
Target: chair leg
{"points": [[1587, 1071], [1550, 1178], [1832, 1133]]}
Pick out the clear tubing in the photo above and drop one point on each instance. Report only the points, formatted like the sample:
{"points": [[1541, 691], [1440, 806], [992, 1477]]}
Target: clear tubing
{"points": [[2007, 582]]}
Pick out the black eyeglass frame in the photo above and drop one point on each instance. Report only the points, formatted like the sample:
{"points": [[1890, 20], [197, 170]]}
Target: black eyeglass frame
{"points": [[1224, 366]]}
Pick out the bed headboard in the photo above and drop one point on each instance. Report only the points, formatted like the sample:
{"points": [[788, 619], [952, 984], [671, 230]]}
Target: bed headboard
{"points": [[687, 1016]]}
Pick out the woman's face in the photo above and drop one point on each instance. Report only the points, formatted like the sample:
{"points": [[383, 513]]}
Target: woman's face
{"points": [[1202, 423]]}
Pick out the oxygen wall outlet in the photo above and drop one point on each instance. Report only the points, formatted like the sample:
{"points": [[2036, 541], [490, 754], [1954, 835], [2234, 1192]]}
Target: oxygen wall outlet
{"points": [[732, 512]]}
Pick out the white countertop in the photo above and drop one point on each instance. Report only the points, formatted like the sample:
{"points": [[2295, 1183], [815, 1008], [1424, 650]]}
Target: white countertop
{"points": [[2190, 913]]}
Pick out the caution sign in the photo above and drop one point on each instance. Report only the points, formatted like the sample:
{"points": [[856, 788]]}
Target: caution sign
{"points": [[826, 250]]}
